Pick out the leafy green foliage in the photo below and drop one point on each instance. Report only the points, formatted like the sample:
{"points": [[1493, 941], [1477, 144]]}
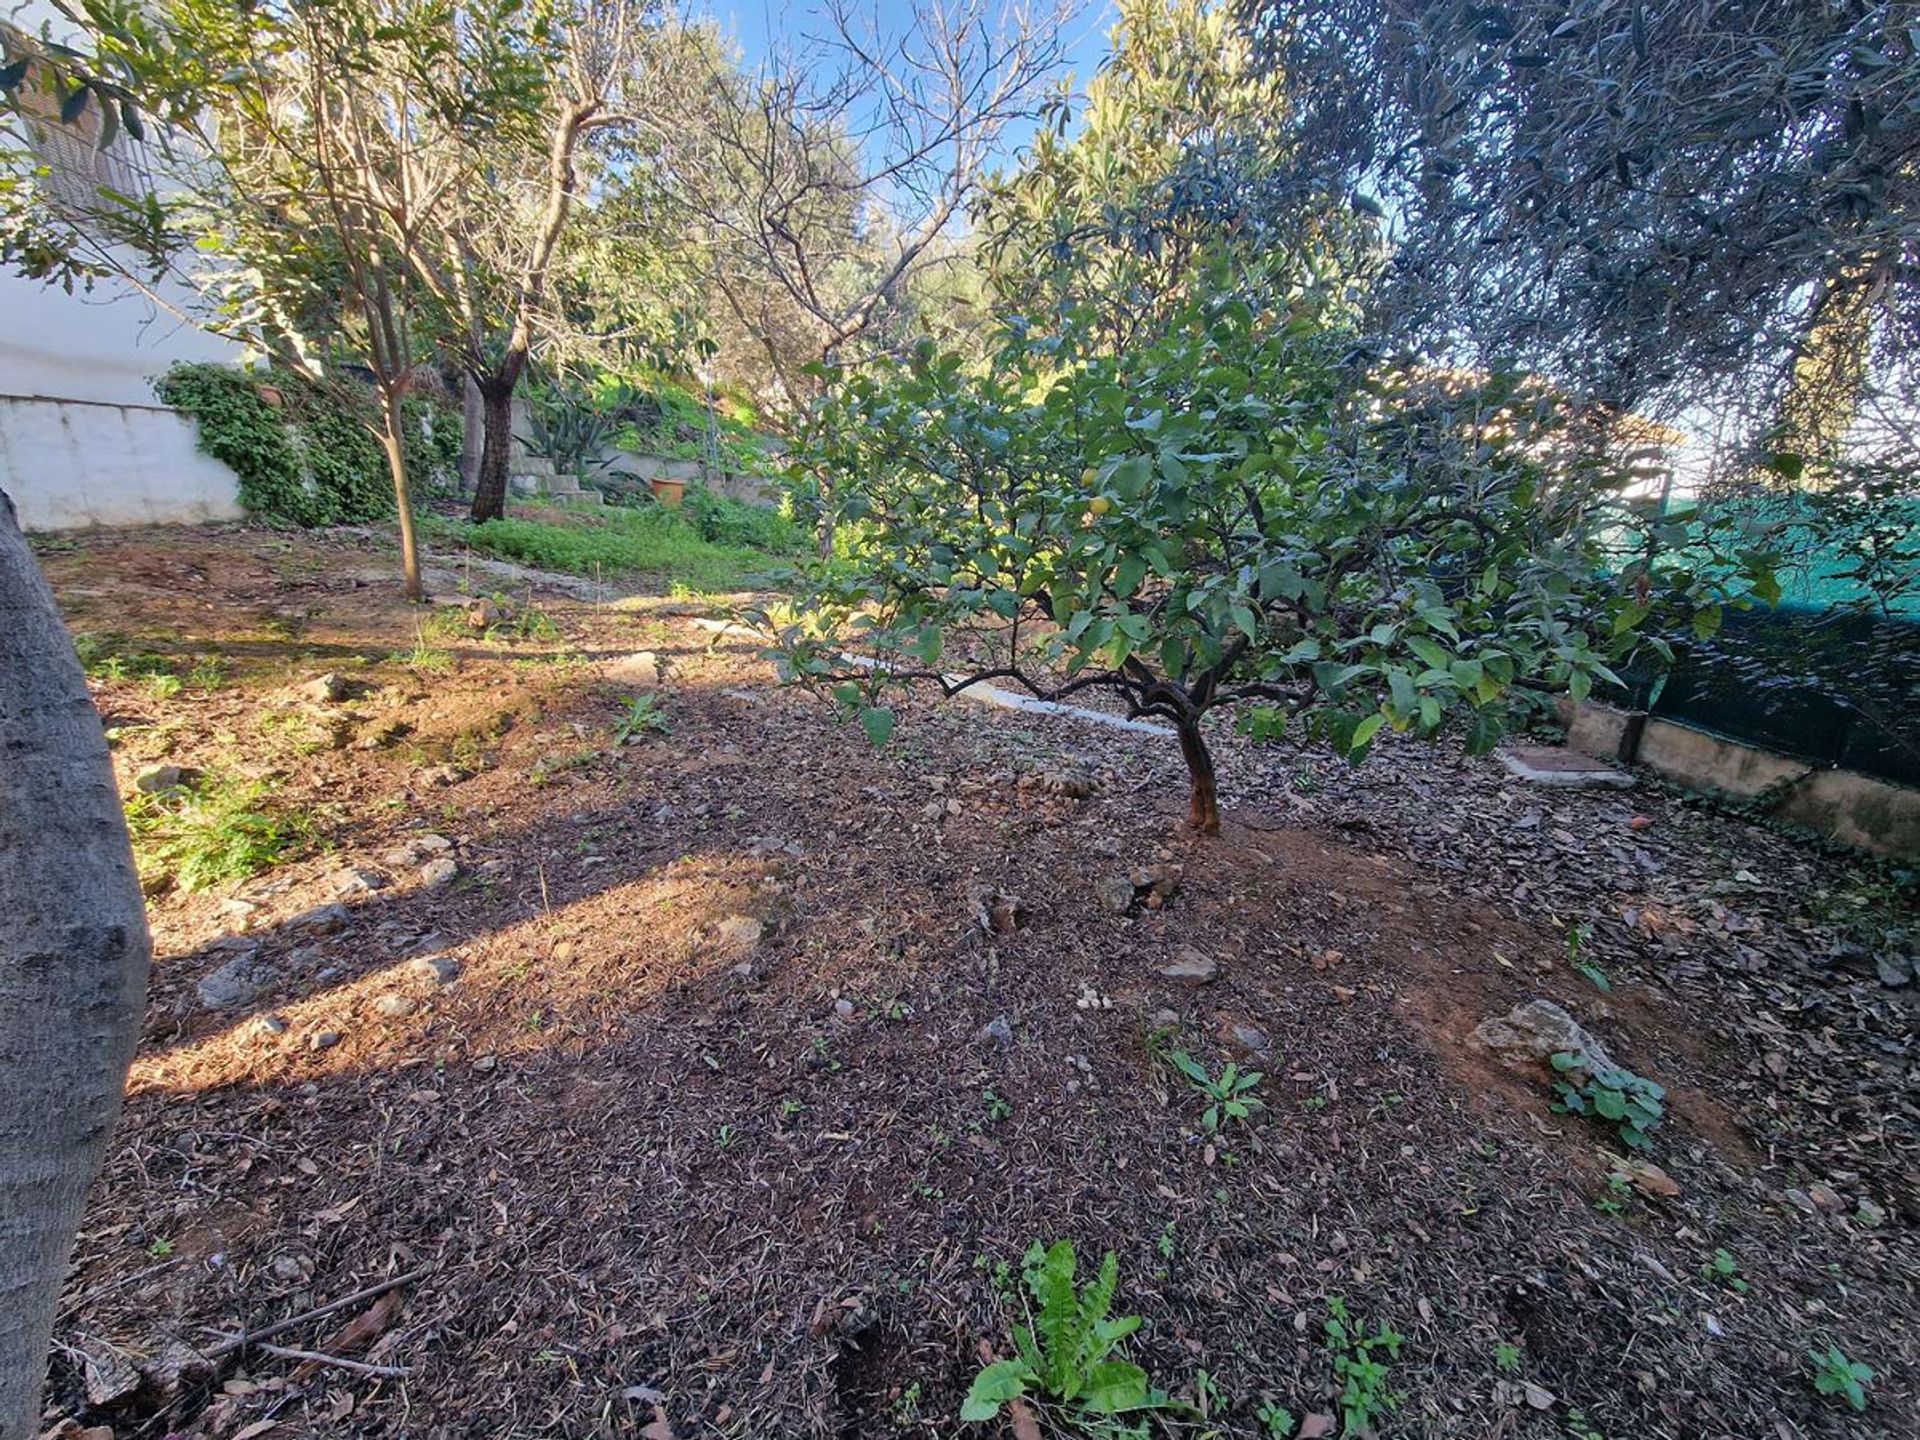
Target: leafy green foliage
{"points": [[1240, 515], [218, 829], [1357, 1367], [564, 426], [642, 717], [1834, 1374], [1228, 1093], [1121, 208], [1278, 1420], [1725, 1269], [309, 459], [655, 414], [1067, 1354], [727, 521], [1632, 1102]]}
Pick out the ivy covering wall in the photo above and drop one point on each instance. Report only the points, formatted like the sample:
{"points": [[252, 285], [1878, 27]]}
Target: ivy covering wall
{"points": [[303, 456]]}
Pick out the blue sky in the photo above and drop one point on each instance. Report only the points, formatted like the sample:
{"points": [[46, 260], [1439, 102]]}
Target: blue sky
{"points": [[759, 25]]}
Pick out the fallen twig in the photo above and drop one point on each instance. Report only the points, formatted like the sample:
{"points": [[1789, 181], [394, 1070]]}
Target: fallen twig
{"points": [[252, 1338], [314, 1357]]}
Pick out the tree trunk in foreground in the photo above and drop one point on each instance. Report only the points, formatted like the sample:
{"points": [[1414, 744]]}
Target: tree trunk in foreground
{"points": [[496, 445], [1203, 811], [393, 441], [73, 966]]}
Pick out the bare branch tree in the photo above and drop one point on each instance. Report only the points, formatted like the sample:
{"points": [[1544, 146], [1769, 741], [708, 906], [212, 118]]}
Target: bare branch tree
{"points": [[822, 180]]}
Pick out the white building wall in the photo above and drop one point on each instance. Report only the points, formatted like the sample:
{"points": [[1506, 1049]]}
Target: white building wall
{"points": [[83, 441]]}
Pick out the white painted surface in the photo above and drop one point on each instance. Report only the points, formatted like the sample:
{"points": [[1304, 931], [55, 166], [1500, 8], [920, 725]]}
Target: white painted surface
{"points": [[108, 346], [69, 465], [82, 439]]}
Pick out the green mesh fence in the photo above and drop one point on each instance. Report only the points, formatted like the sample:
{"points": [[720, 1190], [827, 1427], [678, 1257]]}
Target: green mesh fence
{"points": [[1831, 675]]}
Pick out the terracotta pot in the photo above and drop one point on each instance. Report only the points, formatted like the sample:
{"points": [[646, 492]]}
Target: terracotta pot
{"points": [[668, 492]]}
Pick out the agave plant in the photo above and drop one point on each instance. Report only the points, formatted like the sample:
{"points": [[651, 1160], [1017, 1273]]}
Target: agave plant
{"points": [[567, 429]]}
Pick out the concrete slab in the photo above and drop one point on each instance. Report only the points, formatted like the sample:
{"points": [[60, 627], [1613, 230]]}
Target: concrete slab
{"points": [[1551, 765]]}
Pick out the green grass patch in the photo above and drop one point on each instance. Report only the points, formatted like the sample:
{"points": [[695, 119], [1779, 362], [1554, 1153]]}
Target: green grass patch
{"points": [[653, 541], [220, 829]]}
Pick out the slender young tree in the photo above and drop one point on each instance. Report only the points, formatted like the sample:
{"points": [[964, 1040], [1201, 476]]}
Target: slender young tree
{"points": [[263, 200]]}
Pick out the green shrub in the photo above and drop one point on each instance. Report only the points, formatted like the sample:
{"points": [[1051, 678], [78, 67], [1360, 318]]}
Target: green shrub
{"points": [[218, 829], [662, 416], [726, 521], [1634, 1103], [312, 459]]}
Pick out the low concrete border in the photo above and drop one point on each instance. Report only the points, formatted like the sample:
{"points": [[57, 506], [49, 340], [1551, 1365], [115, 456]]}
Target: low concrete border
{"points": [[1862, 810]]}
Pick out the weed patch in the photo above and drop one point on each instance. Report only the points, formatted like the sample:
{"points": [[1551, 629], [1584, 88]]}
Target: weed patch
{"points": [[222, 829], [1067, 1355], [644, 541], [1630, 1101]]}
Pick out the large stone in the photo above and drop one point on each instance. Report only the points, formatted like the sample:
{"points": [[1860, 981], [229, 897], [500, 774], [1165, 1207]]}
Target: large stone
{"points": [[1555, 766], [234, 984], [1539, 1030]]}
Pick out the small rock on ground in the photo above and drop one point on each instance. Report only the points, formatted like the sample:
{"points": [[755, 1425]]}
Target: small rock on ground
{"points": [[435, 969], [326, 689], [233, 984], [159, 779], [1115, 893], [740, 931], [443, 871], [1254, 1041], [1191, 967]]}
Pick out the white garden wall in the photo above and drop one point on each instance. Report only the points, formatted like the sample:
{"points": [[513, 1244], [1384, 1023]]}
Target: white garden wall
{"points": [[70, 464]]}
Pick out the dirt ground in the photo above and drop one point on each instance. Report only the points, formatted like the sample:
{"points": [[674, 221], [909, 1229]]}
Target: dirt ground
{"points": [[704, 1089]]}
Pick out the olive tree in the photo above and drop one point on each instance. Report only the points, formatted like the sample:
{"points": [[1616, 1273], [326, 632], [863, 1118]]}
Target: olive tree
{"points": [[1247, 515], [1706, 213]]}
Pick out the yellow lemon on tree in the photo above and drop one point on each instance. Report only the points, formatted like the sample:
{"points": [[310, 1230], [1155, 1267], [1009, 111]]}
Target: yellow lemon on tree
{"points": [[1099, 505]]}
